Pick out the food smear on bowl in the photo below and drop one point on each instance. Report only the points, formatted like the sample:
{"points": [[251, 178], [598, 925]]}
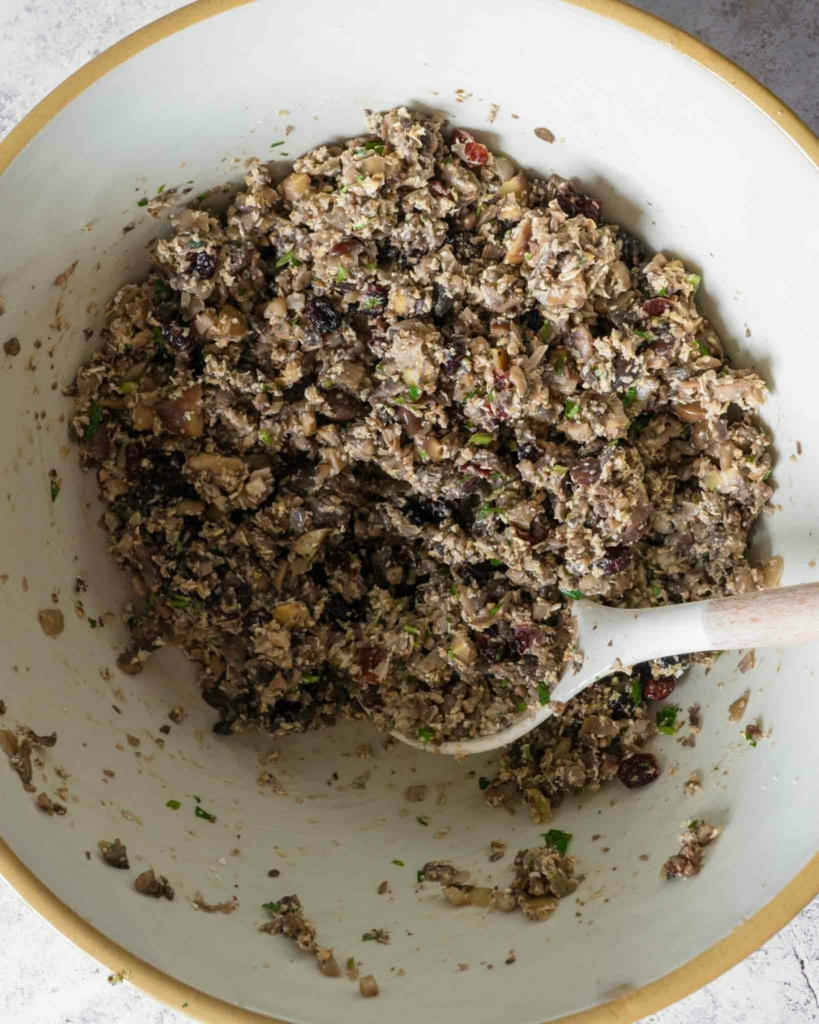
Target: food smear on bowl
{"points": [[364, 438]]}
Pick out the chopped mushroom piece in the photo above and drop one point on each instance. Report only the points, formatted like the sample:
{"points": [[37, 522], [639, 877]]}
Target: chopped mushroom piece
{"points": [[227, 907], [45, 803], [52, 621]]}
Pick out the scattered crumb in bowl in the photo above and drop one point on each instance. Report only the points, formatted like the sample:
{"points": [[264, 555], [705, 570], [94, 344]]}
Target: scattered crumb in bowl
{"points": [[368, 986], [19, 746], [688, 862], [288, 919], [226, 907], [52, 621], [114, 853], [737, 709], [149, 885], [49, 806]]}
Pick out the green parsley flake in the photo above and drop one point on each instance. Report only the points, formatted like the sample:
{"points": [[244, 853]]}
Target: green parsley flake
{"points": [[371, 303], [749, 736], [422, 820], [173, 804], [310, 677], [483, 782], [265, 438], [55, 490], [559, 364], [641, 334], [559, 470], [274, 145], [94, 420], [425, 734], [486, 511], [704, 349], [521, 706], [575, 595], [496, 563], [545, 333], [179, 601], [205, 815], [655, 589], [341, 275], [558, 840], [481, 438], [493, 611], [287, 259], [375, 146], [420, 876], [143, 202], [636, 693], [693, 823], [92, 622], [630, 397], [543, 694], [694, 280], [414, 392], [666, 719], [274, 908], [411, 630], [571, 409], [400, 863], [663, 292], [128, 387]]}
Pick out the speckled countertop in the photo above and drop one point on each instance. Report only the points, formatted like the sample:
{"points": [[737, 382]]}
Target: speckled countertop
{"points": [[44, 979]]}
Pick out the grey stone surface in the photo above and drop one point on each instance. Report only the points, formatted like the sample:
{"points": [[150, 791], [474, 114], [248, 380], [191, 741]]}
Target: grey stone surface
{"points": [[44, 979]]}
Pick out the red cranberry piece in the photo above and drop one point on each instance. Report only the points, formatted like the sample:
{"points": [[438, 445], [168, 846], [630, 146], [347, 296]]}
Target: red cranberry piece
{"points": [[657, 306], [204, 265], [369, 657], [638, 770], [475, 154], [632, 252], [523, 637], [575, 204], [658, 689], [615, 560], [323, 315], [501, 381]]}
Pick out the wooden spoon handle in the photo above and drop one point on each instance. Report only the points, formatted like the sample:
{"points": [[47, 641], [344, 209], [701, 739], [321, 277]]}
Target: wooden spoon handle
{"points": [[768, 618]]}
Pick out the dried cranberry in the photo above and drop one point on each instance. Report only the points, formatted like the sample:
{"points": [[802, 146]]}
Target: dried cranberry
{"points": [[323, 315], [523, 637], [216, 698], [621, 707], [369, 657], [528, 451], [532, 319], [454, 357], [475, 575], [442, 303], [178, 338], [475, 154], [426, 510], [437, 188], [615, 560], [340, 610], [638, 770], [501, 381], [657, 306], [373, 300], [494, 647], [203, 264], [602, 327], [467, 247], [632, 252], [576, 204], [658, 689], [586, 472]]}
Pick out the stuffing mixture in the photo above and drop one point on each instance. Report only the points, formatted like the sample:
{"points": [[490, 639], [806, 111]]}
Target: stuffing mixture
{"points": [[542, 877], [688, 861], [364, 438]]}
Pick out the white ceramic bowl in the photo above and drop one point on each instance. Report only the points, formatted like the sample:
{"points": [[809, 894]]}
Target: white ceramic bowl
{"points": [[682, 148]]}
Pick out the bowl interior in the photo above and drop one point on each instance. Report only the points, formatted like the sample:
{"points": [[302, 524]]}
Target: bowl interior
{"points": [[678, 157]]}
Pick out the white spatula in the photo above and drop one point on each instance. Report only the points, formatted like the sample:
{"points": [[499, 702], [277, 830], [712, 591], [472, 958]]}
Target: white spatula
{"points": [[615, 639]]}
